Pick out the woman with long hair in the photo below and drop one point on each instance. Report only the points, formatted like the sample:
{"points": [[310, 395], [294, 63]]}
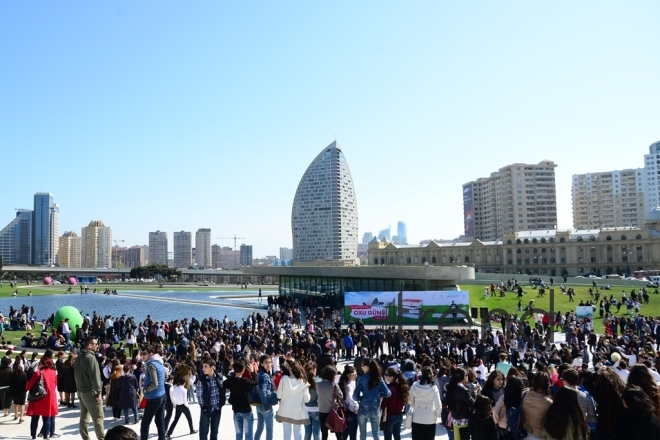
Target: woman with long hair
{"points": [[17, 390], [5, 382], [113, 395], [424, 399], [638, 419], [608, 388], [459, 401], [347, 383], [565, 419], [326, 389], [313, 428], [640, 376], [393, 405], [480, 422], [493, 387], [69, 384], [47, 406], [369, 389], [510, 399], [293, 392], [535, 404], [267, 396]]}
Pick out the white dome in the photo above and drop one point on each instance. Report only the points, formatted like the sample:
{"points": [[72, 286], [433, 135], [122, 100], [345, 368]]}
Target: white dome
{"points": [[653, 216]]}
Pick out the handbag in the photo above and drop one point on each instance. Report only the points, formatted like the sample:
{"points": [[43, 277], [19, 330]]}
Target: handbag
{"points": [[409, 416], [336, 421], [383, 420], [143, 401], [38, 390]]}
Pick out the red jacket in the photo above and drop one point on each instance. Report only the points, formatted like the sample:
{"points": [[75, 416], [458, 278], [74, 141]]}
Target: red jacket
{"points": [[394, 403], [48, 405]]}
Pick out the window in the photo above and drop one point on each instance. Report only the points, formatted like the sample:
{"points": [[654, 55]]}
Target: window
{"points": [[608, 238], [552, 239], [579, 238], [518, 241], [382, 261], [518, 251], [408, 261], [376, 261], [543, 240], [433, 260], [592, 238], [526, 241], [451, 258], [466, 259], [508, 242], [638, 237], [562, 240], [423, 260], [623, 237], [535, 241], [391, 260], [509, 251]]}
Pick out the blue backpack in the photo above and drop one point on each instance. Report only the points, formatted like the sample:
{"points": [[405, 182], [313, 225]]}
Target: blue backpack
{"points": [[514, 421]]}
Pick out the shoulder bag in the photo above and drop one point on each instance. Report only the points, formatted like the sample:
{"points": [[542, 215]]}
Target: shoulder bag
{"points": [[336, 421], [38, 390]]}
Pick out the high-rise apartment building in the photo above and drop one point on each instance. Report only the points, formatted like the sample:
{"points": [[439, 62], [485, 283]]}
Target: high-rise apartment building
{"points": [[385, 235], [182, 249], [16, 239], [517, 197], [402, 233], [203, 247], [70, 250], [324, 217], [286, 253], [130, 257], [45, 230], [608, 199], [651, 177], [225, 257], [367, 237], [96, 245], [246, 255], [158, 247]]}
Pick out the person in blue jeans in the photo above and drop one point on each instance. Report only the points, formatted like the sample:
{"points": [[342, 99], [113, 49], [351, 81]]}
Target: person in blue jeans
{"points": [[268, 397], [398, 386], [154, 392], [370, 388], [211, 398], [239, 386], [314, 426]]}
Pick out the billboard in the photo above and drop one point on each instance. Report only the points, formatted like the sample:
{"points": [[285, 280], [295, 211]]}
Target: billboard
{"points": [[381, 308], [468, 211]]}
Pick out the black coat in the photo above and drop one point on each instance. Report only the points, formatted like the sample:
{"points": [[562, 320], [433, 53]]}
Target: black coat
{"points": [[69, 381], [128, 386], [630, 426]]}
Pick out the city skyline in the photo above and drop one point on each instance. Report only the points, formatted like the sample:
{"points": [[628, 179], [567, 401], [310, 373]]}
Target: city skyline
{"points": [[192, 131]]}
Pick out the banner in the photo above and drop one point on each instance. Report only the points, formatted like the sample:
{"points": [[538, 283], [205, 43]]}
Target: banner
{"points": [[383, 308], [584, 311], [468, 211]]}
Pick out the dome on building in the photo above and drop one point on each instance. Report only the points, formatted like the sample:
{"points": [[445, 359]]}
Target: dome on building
{"points": [[653, 216], [69, 234], [96, 224]]}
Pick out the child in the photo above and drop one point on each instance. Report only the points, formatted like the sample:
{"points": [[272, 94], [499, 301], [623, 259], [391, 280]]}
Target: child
{"points": [[179, 397], [480, 420]]}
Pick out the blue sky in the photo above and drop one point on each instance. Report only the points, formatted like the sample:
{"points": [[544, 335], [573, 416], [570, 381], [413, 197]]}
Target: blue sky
{"points": [[177, 116]]}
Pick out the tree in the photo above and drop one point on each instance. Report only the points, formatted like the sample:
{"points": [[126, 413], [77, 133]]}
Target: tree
{"points": [[155, 271], [1, 266]]}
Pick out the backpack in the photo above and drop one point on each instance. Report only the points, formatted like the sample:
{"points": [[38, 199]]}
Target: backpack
{"points": [[30, 371], [514, 422]]}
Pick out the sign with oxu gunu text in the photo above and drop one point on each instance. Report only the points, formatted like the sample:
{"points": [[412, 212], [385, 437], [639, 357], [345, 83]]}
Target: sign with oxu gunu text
{"points": [[381, 308]]}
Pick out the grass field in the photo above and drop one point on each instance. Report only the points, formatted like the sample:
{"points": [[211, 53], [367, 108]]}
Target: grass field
{"points": [[510, 302]]}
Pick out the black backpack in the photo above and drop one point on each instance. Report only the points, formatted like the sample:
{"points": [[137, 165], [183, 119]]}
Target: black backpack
{"points": [[514, 421]]}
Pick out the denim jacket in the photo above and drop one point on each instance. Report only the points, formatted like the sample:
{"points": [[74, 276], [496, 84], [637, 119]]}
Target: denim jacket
{"points": [[266, 389], [369, 397]]}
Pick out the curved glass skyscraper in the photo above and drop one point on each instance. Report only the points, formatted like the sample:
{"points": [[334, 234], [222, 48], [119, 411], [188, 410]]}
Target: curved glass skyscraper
{"points": [[324, 217]]}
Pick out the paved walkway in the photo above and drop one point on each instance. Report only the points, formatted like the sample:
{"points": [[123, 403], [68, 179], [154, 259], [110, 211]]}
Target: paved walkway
{"points": [[66, 425]]}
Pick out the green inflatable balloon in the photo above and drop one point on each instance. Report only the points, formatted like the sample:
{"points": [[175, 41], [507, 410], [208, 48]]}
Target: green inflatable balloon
{"points": [[75, 318]]}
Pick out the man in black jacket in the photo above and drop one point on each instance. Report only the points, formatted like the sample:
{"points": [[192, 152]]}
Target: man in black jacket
{"points": [[239, 386]]}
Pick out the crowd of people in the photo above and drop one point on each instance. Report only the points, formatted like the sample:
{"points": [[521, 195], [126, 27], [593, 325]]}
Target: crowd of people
{"points": [[299, 364]]}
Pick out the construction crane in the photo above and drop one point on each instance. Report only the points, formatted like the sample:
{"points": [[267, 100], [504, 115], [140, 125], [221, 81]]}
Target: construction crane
{"points": [[232, 238]]}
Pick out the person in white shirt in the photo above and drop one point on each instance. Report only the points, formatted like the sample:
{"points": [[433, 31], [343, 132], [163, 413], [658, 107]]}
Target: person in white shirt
{"points": [[179, 397]]}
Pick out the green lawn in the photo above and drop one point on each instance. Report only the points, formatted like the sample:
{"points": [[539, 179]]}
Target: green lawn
{"points": [[510, 302]]}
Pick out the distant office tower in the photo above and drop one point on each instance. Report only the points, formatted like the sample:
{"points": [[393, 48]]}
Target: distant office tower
{"points": [[70, 251], [385, 235], [16, 239], [203, 247], [286, 253], [518, 197], [131, 257], [96, 245], [158, 247], [145, 249], [182, 249], [246, 255], [608, 199], [45, 230], [367, 237], [402, 233], [324, 218]]}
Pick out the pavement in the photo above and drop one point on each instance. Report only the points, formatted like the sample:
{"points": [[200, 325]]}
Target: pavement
{"points": [[66, 424]]}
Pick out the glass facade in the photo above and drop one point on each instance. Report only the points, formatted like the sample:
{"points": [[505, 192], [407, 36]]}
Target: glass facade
{"points": [[311, 285]]}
